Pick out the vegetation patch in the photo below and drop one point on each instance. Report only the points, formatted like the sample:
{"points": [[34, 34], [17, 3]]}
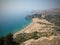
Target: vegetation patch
{"points": [[7, 40], [34, 35]]}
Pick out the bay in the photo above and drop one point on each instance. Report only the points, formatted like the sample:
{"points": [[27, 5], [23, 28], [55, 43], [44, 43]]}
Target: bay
{"points": [[13, 23]]}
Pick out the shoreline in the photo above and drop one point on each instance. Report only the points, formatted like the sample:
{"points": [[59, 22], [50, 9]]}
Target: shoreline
{"points": [[22, 30], [33, 26]]}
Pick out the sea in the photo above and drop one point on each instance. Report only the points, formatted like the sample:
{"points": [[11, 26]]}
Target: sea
{"points": [[11, 23]]}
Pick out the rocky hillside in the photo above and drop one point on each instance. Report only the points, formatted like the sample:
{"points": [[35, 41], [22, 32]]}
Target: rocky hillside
{"points": [[52, 40], [43, 30], [38, 32], [39, 25], [52, 15]]}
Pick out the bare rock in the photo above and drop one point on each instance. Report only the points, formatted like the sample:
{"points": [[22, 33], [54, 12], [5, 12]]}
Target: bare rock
{"points": [[52, 40]]}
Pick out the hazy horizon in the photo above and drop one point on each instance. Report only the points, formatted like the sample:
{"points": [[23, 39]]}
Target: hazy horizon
{"points": [[14, 6], [13, 12]]}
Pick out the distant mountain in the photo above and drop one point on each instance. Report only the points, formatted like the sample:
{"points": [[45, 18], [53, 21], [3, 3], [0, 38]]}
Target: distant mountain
{"points": [[52, 15], [43, 30]]}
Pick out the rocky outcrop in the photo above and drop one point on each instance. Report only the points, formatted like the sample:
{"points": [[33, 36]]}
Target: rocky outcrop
{"points": [[52, 40]]}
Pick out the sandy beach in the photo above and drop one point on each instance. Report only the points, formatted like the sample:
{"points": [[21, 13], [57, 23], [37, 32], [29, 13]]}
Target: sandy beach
{"points": [[34, 26]]}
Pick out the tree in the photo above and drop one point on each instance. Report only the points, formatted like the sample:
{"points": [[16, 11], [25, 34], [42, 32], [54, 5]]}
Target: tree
{"points": [[1, 40], [8, 40]]}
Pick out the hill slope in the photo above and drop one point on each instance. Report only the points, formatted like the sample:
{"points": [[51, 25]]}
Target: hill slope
{"points": [[43, 30], [39, 25], [39, 32]]}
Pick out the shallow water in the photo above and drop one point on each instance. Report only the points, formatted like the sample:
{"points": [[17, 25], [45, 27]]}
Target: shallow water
{"points": [[12, 24]]}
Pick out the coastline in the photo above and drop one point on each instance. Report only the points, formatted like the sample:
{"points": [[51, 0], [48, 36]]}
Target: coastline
{"points": [[33, 26], [22, 30]]}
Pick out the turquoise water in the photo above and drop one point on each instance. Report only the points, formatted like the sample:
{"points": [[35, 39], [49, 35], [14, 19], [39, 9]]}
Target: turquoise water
{"points": [[12, 24]]}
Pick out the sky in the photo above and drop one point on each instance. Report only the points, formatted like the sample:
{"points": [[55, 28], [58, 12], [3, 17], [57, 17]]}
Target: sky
{"points": [[14, 6]]}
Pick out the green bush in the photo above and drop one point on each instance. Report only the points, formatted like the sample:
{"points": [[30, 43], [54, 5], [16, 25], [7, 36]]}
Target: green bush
{"points": [[34, 35], [8, 40]]}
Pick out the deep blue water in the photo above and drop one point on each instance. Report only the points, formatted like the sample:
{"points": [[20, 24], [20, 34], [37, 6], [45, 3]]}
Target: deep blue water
{"points": [[12, 23]]}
